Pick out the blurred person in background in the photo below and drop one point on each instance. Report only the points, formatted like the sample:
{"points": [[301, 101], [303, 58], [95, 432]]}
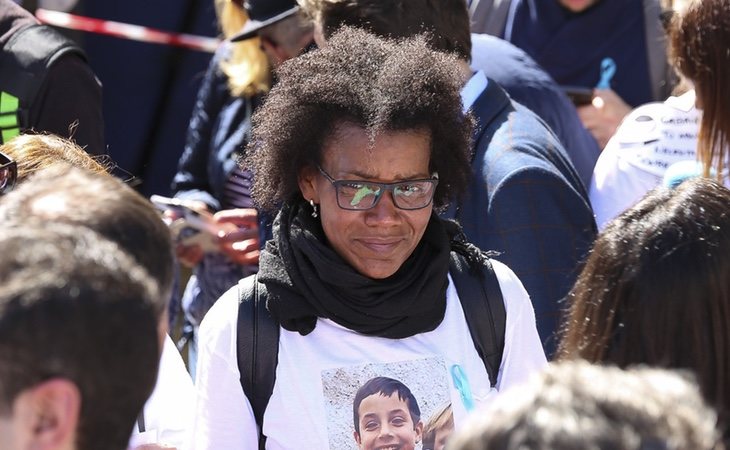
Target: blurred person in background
{"points": [[79, 339], [655, 289], [85, 195], [46, 83], [575, 405], [617, 47], [209, 177], [685, 135]]}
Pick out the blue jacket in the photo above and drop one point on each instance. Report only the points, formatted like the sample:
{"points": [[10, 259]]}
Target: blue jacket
{"points": [[527, 83], [218, 131], [527, 202], [218, 128]]}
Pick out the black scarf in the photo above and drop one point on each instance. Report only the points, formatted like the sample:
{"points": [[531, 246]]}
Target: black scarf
{"points": [[307, 279]]}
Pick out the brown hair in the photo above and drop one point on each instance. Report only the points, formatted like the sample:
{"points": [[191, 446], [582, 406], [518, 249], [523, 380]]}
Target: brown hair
{"points": [[655, 288], [700, 38], [446, 22]]}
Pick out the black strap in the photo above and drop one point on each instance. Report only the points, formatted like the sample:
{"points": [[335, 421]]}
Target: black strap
{"points": [[25, 59], [258, 348], [481, 299]]}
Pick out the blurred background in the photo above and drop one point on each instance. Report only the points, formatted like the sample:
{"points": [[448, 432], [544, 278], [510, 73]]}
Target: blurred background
{"points": [[149, 89]]}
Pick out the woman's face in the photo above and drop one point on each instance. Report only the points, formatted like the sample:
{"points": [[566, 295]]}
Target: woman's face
{"points": [[376, 241]]}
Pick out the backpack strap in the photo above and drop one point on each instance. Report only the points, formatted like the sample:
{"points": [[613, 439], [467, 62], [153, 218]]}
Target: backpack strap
{"points": [[481, 299], [24, 63], [257, 342]]}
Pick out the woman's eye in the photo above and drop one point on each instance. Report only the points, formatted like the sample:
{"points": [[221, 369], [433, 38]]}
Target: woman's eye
{"points": [[410, 189], [351, 187]]}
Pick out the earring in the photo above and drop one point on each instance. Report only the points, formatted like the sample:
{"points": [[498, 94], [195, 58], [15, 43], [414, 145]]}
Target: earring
{"points": [[314, 208]]}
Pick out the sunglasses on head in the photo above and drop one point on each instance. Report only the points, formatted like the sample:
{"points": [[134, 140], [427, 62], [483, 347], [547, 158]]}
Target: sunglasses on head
{"points": [[8, 173]]}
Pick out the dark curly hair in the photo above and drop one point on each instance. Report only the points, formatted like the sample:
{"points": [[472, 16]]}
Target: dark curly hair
{"points": [[380, 85]]}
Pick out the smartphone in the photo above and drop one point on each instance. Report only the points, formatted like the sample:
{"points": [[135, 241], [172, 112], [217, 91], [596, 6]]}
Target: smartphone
{"points": [[192, 218], [579, 95]]}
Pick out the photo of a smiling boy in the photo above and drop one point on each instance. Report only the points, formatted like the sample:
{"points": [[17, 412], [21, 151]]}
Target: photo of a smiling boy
{"points": [[386, 416]]}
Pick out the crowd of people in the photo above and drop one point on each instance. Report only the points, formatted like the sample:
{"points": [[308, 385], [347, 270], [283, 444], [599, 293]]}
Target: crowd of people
{"points": [[410, 224]]}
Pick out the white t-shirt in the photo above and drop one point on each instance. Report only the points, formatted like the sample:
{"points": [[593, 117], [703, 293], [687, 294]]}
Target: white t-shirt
{"points": [[651, 138], [168, 413], [318, 374]]}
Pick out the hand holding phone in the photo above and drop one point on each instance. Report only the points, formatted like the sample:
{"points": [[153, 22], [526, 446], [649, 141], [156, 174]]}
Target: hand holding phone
{"points": [[190, 226], [579, 95]]}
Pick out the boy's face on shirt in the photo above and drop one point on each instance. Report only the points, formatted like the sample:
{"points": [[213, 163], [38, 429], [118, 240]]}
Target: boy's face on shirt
{"points": [[386, 424]]}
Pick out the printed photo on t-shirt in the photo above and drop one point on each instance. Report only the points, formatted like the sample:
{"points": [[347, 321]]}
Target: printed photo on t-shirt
{"points": [[387, 406]]}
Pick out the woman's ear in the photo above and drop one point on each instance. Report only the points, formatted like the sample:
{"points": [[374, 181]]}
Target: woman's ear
{"points": [[308, 183]]}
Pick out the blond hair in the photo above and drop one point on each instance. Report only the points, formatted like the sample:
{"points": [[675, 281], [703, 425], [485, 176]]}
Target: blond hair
{"points": [[246, 67], [35, 152]]}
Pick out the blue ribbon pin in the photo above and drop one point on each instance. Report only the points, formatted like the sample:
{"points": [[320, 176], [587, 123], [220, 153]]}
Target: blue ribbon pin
{"points": [[608, 70], [461, 383]]}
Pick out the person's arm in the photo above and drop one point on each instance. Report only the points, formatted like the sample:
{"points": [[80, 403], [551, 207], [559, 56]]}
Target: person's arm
{"points": [[69, 104], [191, 181], [223, 415], [543, 229]]}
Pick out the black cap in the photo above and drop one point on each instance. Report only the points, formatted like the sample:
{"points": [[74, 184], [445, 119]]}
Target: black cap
{"points": [[263, 13]]}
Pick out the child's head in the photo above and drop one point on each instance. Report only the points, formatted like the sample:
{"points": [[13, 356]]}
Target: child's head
{"points": [[439, 428], [386, 412]]}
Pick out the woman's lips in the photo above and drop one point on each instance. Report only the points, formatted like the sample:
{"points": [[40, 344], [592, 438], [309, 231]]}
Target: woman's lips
{"points": [[380, 245]]}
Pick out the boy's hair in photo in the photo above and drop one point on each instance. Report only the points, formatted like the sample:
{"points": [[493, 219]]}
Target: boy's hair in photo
{"points": [[442, 419], [74, 306], [575, 405], [386, 387]]}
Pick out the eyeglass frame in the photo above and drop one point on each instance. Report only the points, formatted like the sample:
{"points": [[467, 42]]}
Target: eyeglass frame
{"points": [[8, 163], [434, 180]]}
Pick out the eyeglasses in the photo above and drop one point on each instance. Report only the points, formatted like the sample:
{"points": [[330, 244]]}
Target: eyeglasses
{"points": [[8, 173], [360, 195]]}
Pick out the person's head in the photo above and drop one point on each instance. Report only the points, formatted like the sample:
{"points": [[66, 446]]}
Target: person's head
{"points": [[699, 39], [439, 428], [655, 290], [364, 108], [386, 413], [246, 66], [65, 194], [78, 339], [574, 405], [577, 6], [282, 31], [445, 21], [35, 152]]}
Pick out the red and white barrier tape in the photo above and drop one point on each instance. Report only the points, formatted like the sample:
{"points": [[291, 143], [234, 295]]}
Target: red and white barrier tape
{"points": [[126, 31]]}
